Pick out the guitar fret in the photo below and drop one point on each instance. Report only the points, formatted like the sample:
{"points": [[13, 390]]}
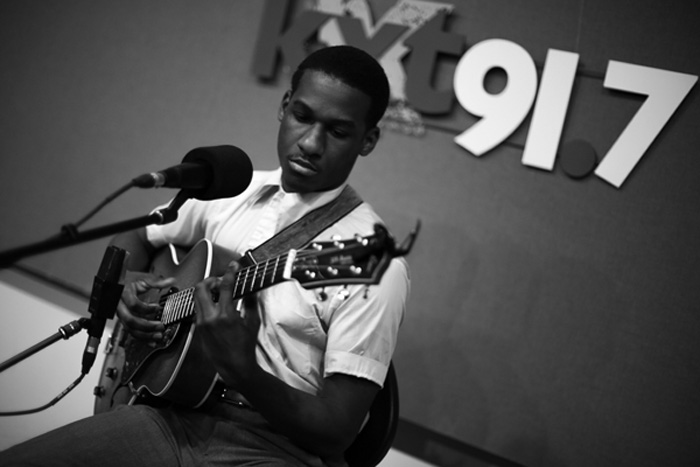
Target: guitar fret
{"points": [[178, 308], [169, 309], [245, 280], [189, 310], [262, 276], [235, 285], [176, 305], [166, 311], [274, 270], [252, 281], [173, 309], [180, 304]]}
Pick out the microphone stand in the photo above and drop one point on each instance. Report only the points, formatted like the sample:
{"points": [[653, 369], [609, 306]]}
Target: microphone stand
{"points": [[64, 332], [71, 236], [161, 216]]}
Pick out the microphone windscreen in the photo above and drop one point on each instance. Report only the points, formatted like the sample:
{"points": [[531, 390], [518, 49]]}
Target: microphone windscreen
{"points": [[231, 171]]}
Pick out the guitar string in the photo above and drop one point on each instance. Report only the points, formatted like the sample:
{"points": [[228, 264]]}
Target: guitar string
{"points": [[174, 309]]}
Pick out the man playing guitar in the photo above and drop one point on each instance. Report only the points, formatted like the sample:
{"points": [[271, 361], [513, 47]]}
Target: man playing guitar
{"points": [[296, 369]]}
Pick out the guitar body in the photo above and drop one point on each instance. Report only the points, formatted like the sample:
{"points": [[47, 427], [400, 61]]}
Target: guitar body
{"points": [[175, 370]]}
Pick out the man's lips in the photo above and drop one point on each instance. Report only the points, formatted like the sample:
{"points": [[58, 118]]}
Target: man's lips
{"points": [[302, 165]]}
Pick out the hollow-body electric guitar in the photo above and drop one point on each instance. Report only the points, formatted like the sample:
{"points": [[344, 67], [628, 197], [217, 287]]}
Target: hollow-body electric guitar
{"points": [[176, 369]]}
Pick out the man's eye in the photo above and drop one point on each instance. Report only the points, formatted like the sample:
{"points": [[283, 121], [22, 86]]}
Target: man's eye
{"points": [[302, 117], [339, 133]]}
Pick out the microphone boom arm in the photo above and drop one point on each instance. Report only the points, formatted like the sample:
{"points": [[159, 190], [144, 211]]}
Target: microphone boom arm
{"points": [[69, 237]]}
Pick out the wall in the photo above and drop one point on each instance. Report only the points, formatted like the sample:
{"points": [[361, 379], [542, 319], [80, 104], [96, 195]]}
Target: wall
{"points": [[552, 321]]}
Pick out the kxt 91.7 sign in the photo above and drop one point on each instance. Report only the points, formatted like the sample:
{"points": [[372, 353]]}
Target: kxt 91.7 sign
{"points": [[418, 27]]}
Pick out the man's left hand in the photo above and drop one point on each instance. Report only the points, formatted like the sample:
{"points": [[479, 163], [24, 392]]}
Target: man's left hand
{"points": [[230, 338]]}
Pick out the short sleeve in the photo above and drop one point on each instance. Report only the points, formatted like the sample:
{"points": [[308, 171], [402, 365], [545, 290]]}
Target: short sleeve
{"points": [[364, 325]]}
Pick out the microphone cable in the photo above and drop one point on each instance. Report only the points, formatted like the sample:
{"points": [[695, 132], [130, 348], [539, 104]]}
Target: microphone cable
{"points": [[71, 230], [50, 404], [67, 331]]}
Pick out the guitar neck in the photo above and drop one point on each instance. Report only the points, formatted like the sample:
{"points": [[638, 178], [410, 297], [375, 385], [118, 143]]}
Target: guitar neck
{"points": [[264, 274], [358, 260], [180, 305]]}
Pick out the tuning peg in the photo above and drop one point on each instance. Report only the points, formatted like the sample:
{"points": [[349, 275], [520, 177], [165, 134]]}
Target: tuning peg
{"points": [[344, 293], [361, 240]]}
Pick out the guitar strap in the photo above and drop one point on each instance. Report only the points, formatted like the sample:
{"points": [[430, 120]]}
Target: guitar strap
{"points": [[301, 232]]}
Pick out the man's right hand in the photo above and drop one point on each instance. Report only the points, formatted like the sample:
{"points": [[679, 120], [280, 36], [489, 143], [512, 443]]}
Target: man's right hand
{"points": [[138, 316]]}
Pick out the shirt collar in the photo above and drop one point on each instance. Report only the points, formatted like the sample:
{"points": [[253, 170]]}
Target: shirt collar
{"points": [[274, 181]]}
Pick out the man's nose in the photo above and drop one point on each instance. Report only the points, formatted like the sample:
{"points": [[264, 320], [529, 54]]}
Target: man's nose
{"points": [[313, 140]]}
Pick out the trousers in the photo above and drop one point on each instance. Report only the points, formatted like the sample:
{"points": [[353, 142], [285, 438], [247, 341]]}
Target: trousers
{"points": [[141, 435]]}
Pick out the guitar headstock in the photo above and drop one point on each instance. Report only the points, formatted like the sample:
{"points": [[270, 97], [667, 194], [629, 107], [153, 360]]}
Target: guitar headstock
{"points": [[358, 260]]}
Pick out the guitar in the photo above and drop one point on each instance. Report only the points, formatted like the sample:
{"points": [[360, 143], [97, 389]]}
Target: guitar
{"points": [[175, 369]]}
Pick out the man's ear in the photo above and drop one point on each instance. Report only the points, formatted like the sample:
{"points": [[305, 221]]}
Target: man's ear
{"points": [[283, 105], [370, 141]]}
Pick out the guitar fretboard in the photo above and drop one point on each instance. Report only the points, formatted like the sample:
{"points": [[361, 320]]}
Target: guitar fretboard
{"points": [[180, 305]]}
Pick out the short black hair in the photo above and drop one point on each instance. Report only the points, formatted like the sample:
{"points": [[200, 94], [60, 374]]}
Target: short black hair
{"points": [[354, 67]]}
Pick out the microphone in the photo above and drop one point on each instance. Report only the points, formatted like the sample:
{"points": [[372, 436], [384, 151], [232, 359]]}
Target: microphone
{"points": [[106, 293], [205, 173]]}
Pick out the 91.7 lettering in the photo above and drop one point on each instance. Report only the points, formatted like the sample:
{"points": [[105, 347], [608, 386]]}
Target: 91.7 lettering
{"points": [[502, 113]]}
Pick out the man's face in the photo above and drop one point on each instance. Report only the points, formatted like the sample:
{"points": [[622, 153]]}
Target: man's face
{"points": [[322, 131]]}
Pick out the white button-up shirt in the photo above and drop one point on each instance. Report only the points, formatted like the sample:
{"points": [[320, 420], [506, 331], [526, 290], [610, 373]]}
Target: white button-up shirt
{"points": [[305, 335]]}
